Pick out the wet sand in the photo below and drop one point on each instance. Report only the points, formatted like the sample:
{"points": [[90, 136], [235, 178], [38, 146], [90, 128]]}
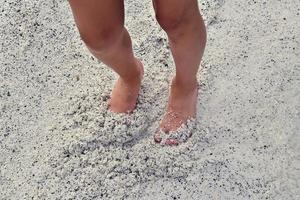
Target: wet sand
{"points": [[57, 140]]}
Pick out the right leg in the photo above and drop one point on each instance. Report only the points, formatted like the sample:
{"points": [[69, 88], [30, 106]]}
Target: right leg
{"points": [[101, 27]]}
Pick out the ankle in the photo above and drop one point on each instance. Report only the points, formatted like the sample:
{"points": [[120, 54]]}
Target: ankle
{"points": [[135, 75], [131, 80], [185, 85]]}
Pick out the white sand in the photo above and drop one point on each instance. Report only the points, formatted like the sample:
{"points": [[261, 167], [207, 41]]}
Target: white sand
{"points": [[58, 142]]}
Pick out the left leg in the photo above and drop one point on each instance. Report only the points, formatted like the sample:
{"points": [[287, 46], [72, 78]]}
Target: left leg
{"points": [[186, 32]]}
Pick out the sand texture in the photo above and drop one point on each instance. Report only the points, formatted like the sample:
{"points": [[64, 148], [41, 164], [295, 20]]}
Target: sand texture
{"points": [[58, 141]]}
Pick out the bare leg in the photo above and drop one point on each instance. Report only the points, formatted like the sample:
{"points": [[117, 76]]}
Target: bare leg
{"points": [[186, 31], [101, 27]]}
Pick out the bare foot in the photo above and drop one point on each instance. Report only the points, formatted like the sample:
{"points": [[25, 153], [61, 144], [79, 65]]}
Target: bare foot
{"points": [[181, 107], [125, 93]]}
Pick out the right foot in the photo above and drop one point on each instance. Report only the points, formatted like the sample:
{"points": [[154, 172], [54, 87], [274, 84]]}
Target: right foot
{"points": [[125, 93]]}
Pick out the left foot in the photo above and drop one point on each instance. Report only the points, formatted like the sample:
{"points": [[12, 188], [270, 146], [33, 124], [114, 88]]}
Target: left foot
{"points": [[181, 107]]}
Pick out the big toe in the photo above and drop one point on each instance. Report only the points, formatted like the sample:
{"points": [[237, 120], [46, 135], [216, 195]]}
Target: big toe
{"points": [[157, 138], [158, 135]]}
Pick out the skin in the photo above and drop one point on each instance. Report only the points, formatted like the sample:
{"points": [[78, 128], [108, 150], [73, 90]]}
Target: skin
{"points": [[101, 27]]}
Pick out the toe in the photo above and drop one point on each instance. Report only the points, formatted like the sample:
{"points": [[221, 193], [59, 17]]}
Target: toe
{"points": [[157, 137], [171, 142]]}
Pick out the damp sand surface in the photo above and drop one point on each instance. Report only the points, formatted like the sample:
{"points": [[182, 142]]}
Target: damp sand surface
{"points": [[57, 140]]}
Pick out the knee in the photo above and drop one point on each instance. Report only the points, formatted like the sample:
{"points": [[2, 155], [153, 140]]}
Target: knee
{"points": [[101, 39], [169, 22]]}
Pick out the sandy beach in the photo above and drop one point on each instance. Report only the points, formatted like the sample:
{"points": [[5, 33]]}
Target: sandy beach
{"points": [[58, 141]]}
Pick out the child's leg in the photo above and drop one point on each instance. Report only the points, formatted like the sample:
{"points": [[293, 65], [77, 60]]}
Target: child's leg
{"points": [[185, 28], [101, 27]]}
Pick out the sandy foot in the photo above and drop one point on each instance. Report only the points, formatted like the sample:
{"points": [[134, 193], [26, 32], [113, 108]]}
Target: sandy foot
{"points": [[124, 95], [177, 123]]}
